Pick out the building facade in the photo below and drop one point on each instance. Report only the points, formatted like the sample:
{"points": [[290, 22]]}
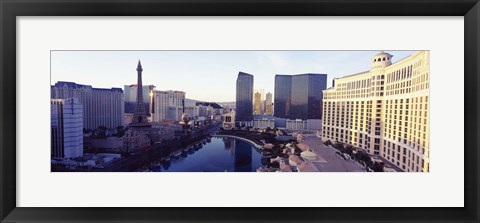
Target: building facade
{"points": [[101, 107], [229, 120], [131, 97], [296, 125], [134, 140], [66, 128], [257, 103], [268, 104], [283, 93], [299, 96], [168, 105], [384, 110], [244, 97], [264, 123]]}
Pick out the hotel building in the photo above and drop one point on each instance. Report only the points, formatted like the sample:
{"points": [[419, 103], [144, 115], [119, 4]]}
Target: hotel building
{"points": [[244, 98], [168, 105], [131, 98], [384, 110], [101, 107], [66, 128], [299, 96]]}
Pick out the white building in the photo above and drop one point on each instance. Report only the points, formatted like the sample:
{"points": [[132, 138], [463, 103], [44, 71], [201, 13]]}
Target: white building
{"points": [[296, 125], [384, 110], [131, 97], [191, 107], [264, 123], [229, 120], [66, 128], [168, 105], [101, 107]]}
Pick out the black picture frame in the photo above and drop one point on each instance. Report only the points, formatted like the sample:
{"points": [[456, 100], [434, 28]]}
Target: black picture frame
{"points": [[10, 9]]}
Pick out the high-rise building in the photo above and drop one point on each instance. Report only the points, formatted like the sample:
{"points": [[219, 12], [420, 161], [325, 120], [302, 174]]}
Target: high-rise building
{"points": [[283, 94], [299, 96], [131, 98], [101, 107], [66, 128], [244, 97], [168, 105], [383, 110], [257, 103], [268, 104]]}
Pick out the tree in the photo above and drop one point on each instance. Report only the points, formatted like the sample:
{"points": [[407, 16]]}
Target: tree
{"points": [[274, 164], [338, 145], [327, 143], [378, 166], [348, 150], [364, 157]]}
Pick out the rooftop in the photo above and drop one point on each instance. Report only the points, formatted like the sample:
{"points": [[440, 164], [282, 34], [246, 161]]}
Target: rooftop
{"points": [[75, 85], [243, 73]]}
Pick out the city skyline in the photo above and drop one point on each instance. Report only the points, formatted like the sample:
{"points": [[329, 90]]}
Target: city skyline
{"points": [[378, 118], [106, 69]]}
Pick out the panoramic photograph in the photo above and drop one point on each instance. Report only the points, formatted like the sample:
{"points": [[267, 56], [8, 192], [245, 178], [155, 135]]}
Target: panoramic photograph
{"points": [[240, 111]]}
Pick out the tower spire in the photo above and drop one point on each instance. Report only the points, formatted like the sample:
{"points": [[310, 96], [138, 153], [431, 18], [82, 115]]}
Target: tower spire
{"points": [[140, 115]]}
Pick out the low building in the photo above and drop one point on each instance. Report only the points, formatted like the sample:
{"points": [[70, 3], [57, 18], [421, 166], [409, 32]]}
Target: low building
{"points": [[136, 140], [264, 123], [280, 123], [111, 144], [229, 120], [92, 160], [296, 125]]}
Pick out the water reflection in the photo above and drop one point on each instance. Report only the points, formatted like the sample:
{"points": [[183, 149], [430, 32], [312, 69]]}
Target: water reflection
{"points": [[243, 157], [217, 154]]}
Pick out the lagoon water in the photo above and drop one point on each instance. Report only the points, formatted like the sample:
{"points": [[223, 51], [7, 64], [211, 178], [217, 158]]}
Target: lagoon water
{"points": [[219, 154]]}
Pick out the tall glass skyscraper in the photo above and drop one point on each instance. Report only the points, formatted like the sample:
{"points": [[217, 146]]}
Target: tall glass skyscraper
{"points": [[299, 96], [283, 91], [244, 98]]}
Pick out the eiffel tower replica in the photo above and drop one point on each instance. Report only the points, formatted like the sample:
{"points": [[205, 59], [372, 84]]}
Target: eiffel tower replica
{"points": [[140, 116]]}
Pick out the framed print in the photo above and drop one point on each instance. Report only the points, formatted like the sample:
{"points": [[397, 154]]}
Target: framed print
{"points": [[225, 111]]}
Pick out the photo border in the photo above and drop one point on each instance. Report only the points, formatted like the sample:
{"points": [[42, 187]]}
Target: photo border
{"points": [[10, 9]]}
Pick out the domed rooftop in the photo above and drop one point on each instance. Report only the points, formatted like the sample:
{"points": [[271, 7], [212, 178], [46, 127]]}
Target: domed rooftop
{"points": [[381, 60], [382, 53]]}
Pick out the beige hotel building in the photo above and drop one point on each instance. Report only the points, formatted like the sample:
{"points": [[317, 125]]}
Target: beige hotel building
{"points": [[384, 111]]}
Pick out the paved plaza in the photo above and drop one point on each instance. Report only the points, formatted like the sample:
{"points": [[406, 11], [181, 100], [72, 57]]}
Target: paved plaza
{"points": [[327, 160]]}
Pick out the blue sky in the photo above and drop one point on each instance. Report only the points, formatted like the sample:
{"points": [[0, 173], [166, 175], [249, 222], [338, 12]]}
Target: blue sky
{"points": [[204, 75]]}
